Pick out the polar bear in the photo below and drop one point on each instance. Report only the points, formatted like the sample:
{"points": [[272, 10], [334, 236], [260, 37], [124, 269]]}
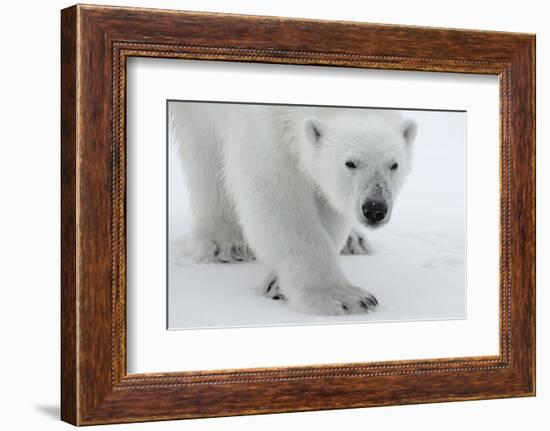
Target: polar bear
{"points": [[289, 185]]}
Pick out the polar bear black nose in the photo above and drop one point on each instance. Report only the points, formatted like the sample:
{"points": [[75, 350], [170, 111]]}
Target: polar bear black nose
{"points": [[375, 211]]}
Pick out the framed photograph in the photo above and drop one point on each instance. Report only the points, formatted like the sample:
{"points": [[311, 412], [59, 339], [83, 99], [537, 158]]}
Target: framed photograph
{"points": [[265, 214]]}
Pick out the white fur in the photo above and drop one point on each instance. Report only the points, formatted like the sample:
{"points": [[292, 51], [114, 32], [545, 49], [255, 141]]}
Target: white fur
{"points": [[274, 180]]}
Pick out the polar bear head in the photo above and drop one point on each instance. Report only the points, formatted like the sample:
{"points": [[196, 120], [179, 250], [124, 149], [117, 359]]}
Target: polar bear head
{"points": [[359, 161]]}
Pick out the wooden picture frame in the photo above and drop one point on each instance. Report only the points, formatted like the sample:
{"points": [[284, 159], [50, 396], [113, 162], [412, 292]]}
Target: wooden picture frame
{"points": [[95, 43]]}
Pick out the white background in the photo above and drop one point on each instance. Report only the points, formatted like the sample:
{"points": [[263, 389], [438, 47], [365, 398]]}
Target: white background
{"points": [[29, 173], [153, 349]]}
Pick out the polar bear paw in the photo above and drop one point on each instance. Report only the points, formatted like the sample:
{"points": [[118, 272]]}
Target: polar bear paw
{"points": [[356, 244], [272, 289], [336, 301], [216, 248]]}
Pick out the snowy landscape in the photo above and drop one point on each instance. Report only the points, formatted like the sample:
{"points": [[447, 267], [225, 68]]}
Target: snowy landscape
{"points": [[416, 269]]}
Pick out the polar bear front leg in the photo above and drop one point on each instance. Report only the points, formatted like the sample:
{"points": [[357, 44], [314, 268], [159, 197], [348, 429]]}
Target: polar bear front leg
{"points": [[215, 235], [356, 243], [339, 303], [318, 286], [272, 288], [218, 241], [285, 229], [347, 239]]}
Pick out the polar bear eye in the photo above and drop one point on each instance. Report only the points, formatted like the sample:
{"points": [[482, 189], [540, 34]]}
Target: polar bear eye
{"points": [[350, 164], [394, 166]]}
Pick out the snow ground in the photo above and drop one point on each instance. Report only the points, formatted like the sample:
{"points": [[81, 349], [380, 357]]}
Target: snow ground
{"points": [[417, 270]]}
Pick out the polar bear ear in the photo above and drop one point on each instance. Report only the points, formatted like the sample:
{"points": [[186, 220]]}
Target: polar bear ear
{"points": [[314, 130], [408, 129]]}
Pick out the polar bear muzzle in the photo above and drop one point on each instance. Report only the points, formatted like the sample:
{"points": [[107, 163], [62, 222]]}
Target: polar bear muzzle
{"points": [[375, 211]]}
